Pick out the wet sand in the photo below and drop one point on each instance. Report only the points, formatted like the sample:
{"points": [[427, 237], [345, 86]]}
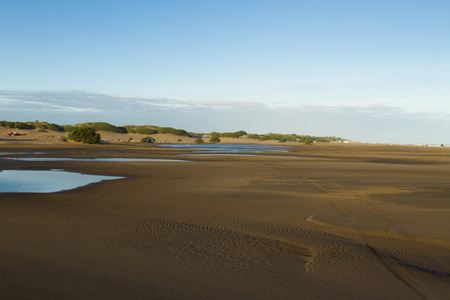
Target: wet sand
{"points": [[317, 222]]}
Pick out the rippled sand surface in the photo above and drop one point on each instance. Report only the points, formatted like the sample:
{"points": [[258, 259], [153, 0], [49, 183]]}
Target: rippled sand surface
{"points": [[317, 222]]}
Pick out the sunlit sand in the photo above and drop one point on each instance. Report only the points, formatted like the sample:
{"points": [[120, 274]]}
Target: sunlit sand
{"points": [[316, 222]]}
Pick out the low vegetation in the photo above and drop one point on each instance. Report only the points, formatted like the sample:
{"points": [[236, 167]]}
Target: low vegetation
{"points": [[215, 138], [103, 126], [85, 135], [151, 130], [294, 138], [48, 126], [18, 125], [147, 139], [235, 135], [145, 130]]}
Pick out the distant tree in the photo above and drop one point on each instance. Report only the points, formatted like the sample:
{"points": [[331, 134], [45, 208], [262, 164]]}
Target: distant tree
{"points": [[199, 141], [215, 138], [308, 141], [85, 135]]}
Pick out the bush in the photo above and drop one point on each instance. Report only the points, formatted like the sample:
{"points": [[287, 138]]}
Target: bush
{"points": [[146, 138], [172, 131], [107, 127], [85, 135], [7, 124], [145, 130], [253, 136], [68, 128], [18, 125], [21, 125], [54, 127], [308, 141], [199, 141], [129, 128], [41, 125], [49, 126], [235, 135], [215, 138]]}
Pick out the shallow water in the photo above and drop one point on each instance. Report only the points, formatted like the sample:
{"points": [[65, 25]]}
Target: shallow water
{"points": [[217, 148], [90, 159], [48, 181]]}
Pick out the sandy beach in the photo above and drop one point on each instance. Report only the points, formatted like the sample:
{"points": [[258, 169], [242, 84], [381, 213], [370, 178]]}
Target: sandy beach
{"points": [[324, 221]]}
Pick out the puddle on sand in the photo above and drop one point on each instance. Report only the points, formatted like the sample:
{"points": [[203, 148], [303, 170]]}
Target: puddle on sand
{"points": [[48, 181], [228, 149], [91, 159]]}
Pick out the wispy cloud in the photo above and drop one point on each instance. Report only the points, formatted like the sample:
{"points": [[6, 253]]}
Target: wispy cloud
{"points": [[372, 123]]}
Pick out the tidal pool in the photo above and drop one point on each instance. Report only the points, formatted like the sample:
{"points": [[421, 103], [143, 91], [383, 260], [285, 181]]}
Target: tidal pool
{"points": [[91, 159], [48, 181], [238, 148]]}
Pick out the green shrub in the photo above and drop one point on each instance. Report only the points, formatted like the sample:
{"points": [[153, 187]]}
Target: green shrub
{"points": [[49, 126], [145, 130], [129, 128], [54, 127], [41, 125], [85, 135], [253, 136], [215, 138], [107, 127], [199, 141], [235, 135], [18, 125], [68, 128], [21, 125], [265, 138], [8, 124], [146, 138], [172, 131], [308, 141]]}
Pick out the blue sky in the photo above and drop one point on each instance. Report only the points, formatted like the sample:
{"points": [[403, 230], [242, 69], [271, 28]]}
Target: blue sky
{"points": [[371, 71]]}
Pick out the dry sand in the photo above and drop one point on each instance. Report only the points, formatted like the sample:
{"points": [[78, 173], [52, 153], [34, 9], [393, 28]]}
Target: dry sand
{"points": [[317, 222]]}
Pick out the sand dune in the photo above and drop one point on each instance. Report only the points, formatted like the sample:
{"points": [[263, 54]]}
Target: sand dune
{"points": [[317, 222]]}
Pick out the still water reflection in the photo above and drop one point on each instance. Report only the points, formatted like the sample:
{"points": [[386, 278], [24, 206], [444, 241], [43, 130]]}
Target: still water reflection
{"points": [[91, 159], [225, 148], [50, 181]]}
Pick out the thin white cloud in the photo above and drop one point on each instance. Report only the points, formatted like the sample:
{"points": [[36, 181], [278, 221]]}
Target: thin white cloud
{"points": [[368, 123]]}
